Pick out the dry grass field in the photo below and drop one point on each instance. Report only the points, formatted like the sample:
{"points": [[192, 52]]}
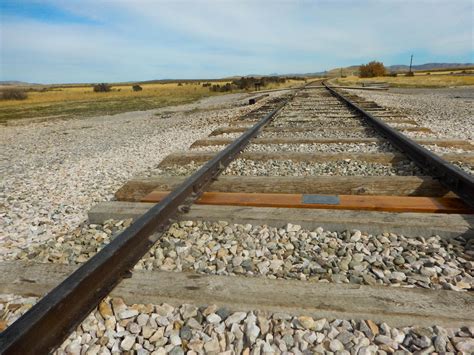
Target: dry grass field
{"points": [[82, 101], [440, 71], [419, 80]]}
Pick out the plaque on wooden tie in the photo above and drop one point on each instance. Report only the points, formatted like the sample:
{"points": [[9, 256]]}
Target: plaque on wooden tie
{"points": [[321, 199]]}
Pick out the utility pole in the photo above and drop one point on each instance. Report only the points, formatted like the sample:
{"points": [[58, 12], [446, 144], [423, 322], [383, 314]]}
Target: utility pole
{"points": [[411, 61]]}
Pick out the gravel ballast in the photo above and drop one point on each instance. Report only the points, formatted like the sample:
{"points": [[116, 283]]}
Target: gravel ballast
{"points": [[348, 167], [321, 133], [290, 253], [309, 148], [321, 122], [323, 148], [117, 327]]}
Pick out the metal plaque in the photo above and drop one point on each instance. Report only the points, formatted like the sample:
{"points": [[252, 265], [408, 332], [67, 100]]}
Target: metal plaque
{"points": [[321, 199]]}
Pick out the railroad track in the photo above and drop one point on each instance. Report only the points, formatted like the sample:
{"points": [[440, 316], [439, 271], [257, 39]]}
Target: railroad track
{"points": [[314, 157]]}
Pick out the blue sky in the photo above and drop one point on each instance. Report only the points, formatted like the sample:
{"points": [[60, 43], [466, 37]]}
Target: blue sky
{"points": [[53, 41]]}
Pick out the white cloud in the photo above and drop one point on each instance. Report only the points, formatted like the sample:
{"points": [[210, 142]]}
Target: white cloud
{"points": [[149, 39]]}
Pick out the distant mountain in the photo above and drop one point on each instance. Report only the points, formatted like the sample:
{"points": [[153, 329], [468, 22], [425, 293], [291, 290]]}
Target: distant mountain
{"points": [[429, 66], [15, 82], [351, 70]]}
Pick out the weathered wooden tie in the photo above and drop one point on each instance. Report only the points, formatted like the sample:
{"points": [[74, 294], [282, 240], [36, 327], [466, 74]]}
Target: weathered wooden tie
{"points": [[455, 143], [136, 189], [289, 130], [395, 306]]}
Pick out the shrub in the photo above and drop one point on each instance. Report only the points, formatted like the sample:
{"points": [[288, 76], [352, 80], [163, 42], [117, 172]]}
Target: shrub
{"points": [[428, 73], [215, 87], [13, 94], [245, 83], [371, 70], [180, 84], [103, 87], [137, 88], [410, 73]]}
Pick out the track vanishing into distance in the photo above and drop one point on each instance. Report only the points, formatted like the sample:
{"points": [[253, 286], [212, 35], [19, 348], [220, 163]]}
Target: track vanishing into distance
{"points": [[315, 157]]}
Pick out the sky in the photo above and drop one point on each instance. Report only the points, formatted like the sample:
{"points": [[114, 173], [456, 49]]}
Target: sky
{"points": [[67, 41]]}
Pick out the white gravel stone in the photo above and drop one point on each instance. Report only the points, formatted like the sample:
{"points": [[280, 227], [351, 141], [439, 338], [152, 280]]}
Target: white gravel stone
{"points": [[236, 317], [127, 343], [213, 318], [336, 345], [129, 313]]}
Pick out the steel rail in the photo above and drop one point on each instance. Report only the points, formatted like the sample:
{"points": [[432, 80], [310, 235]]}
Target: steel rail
{"points": [[55, 316], [448, 175]]}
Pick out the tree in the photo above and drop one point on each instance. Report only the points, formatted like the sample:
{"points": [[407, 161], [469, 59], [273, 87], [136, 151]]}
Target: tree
{"points": [[103, 87], [371, 70]]}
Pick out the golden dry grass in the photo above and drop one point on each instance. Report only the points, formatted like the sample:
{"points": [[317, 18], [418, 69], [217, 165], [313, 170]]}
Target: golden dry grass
{"points": [[444, 72], [82, 101], [425, 81], [85, 93]]}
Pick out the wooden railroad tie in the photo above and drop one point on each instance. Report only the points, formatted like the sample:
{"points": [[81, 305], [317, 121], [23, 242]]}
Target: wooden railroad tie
{"points": [[397, 306], [136, 189], [336, 202], [289, 130], [456, 143]]}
